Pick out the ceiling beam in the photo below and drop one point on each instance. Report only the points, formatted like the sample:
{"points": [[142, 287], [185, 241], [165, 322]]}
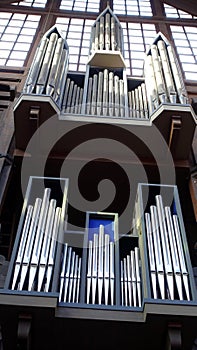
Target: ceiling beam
{"points": [[184, 5]]}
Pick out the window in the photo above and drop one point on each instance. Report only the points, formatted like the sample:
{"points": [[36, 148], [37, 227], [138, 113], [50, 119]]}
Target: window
{"points": [[172, 12], [133, 7], [137, 38], [77, 33], [80, 5], [16, 34], [32, 3], [185, 41]]}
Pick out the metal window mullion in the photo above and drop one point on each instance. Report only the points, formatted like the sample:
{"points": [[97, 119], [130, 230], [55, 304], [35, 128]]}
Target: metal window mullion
{"points": [[143, 38], [16, 39], [80, 48], [73, 5], [139, 9], [189, 44], [129, 48]]}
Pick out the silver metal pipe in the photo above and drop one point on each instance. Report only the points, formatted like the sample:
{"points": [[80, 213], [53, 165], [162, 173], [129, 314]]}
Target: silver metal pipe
{"points": [[133, 103], [96, 45], [67, 274], [22, 245], [63, 269], [141, 107], [99, 94], [53, 74], [89, 96], [52, 250], [105, 91], [36, 249], [158, 74], [177, 75], [129, 280], [165, 246], [30, 241], [150, 82], [167, 71], [94, 267], [106, 267], [75, 278], [89, 272], [122, 98], [138, 278], [149, 234], [94, 94], [113, 34], [43, 75], [101, 33], [71, 276], [36, 66], [66, 94], [111, 274], [122, 282], [117, 96], [111, 94], [174, 252], [157, 250], [69, 96], [118, 37], [125, 281], [107, 31], [145, 101], [100, 263], [130, 104], [76, 109], [133, 277], [73, 101], [80, 101], [44, 252], [63, 67], [78, 280], [183, 267], [137, 106], [93, 40]]}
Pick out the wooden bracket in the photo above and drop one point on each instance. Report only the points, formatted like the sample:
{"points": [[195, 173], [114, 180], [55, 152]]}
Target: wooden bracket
{"points": [[24, 331], [174, 133], [173, 341], [34, 113]]}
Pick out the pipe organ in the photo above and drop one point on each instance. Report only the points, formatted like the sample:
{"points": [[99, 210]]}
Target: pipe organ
{"points": [[106, 90], [49, 67], [129, 267], [107, 269], [106, 33], [163, 77]]}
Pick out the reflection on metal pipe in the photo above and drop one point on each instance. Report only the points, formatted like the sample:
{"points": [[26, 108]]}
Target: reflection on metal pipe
{"points": [[36, 253], [138, 103], [36, 66], [130, 280], [49, 67], [161, 63], [177, 76], [106, 33], [43, 75], [99, 94], [167, 71], [158, 74], [165, 244]]}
